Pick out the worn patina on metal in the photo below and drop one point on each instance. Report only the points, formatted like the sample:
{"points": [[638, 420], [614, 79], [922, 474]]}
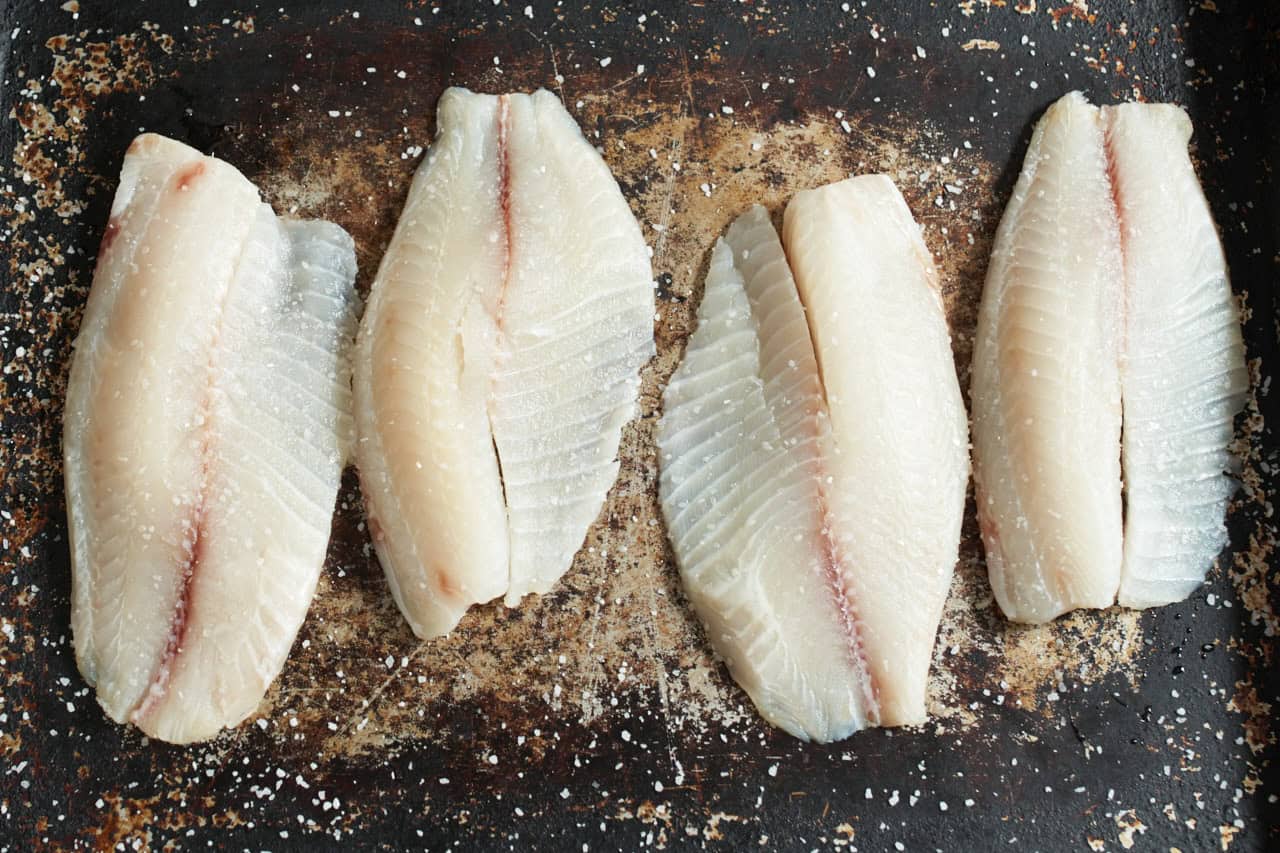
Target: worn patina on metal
{"points": [[595, 717]]}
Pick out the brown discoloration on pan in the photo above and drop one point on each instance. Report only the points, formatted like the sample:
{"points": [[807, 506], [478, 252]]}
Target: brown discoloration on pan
{"points": [[598, 711]]}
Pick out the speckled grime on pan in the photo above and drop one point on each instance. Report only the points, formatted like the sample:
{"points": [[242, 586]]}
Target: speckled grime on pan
{"points": [[596, 715]]}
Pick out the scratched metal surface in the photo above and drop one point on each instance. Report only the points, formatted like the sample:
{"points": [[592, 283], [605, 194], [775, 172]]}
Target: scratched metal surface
{"points": [[595, 718]]}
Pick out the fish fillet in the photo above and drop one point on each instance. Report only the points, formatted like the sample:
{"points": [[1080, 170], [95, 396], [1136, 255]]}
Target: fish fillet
{"points": [[1183, 378], [901, 460], [499, 358], [743, 443], [1046, 378], [206, 425], [771, 481]]}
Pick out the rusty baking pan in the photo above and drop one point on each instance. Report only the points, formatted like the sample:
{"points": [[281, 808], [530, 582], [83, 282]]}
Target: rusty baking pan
{"points": [[595, 717]]}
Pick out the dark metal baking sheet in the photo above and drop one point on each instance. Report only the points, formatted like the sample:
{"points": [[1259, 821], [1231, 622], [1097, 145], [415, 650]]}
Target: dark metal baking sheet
{"points": [[595, 718]]}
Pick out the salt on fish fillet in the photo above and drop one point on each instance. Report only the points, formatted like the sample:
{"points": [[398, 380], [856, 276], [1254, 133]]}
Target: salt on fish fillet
{"points": [[206, 426], [1183, 376], [900, 465], [1107, 287], [1046, 378], [743, 443], [788, 501], [499, 358]]}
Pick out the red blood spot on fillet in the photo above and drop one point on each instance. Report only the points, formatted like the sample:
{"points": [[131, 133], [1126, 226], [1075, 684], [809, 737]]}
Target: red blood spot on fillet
{"points": [[846, 609], [504, 196], [446, 583], [843, 598], [188, 175], [375, 530], [159, 687], [504, 171], [109, 236], [141, 143]]}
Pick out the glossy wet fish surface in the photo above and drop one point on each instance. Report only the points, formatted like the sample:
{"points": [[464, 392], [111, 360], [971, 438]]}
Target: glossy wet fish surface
{"points": [[499, 358], [206, 428], [816, 537], [1106, 300], [1183, 373]]}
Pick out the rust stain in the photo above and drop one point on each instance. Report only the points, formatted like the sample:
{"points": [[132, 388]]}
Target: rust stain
{"points": [[1257, 711], [1076, 9]]}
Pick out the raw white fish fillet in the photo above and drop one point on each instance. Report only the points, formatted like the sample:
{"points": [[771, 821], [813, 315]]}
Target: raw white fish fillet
{"points": [[1107, 284], [207, 420], [1046, 378], [816, 544], [901, 459], [499, 358], [1183, 376], [743, 443]]}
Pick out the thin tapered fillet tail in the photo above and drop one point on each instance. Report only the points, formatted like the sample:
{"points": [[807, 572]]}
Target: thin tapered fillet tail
{"points": [[743, 443], [1046, 378], [1184, 377], [499, 358], [205, 430], [899, 457]]}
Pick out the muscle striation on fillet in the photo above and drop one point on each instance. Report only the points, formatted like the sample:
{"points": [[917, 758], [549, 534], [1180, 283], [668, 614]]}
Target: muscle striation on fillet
{"points": [[766, 465], [206, 428], [499, 358], [1106, 298]]}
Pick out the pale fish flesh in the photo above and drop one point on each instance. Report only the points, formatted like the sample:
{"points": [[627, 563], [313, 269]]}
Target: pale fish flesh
{"points": [[1046, 378], [813, 469], [1107, 290], [206, 426], [499, 358], [1183, 376]]}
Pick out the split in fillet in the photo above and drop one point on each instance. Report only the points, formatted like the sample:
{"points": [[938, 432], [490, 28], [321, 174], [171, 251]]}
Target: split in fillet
{"points": [[814, 460], [1107, 288], [499, 358]]}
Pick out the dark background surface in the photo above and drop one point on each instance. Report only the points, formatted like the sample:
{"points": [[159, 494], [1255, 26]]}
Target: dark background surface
{"points": [[594, 718]]}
